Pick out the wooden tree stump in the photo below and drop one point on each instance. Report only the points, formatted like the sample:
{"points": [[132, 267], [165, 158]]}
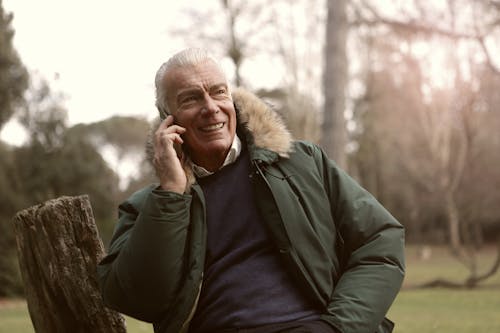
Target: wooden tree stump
{"points": [[59, 248]]}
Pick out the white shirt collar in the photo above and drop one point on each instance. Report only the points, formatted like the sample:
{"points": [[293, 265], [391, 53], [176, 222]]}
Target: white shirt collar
{"points": [[232, 155]]}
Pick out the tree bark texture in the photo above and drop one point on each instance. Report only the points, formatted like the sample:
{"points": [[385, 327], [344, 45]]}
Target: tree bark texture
{"points": [[59, 248], [334, 133]]}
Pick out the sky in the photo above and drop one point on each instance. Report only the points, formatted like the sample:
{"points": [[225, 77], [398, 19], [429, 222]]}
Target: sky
{"points": [[102, 55]]}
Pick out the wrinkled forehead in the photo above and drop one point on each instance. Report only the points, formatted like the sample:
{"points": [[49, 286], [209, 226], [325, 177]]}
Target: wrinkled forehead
{"points": [[204, 73]]}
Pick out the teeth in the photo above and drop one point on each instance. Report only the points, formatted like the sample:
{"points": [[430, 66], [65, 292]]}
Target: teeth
{"points": [[213, 127]]}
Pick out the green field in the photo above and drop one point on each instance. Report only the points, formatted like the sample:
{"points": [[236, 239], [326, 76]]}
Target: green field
{"points": [[415, 310]]}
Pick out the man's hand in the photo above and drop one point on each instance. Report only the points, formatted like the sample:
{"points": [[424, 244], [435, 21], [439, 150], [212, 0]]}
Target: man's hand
{"points": [[168, 156]]}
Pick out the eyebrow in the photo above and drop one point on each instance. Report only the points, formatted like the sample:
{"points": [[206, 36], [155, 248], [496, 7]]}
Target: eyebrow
{"points": [[186, 92]]}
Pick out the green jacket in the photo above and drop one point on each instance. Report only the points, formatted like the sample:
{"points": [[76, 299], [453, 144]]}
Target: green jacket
{"points": [[337, 241]]}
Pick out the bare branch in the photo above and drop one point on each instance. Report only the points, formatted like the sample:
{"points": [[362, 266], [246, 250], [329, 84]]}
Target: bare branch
{"points": [[473, 281], [482, 44], [412, 26], [481, 41], [495, 4]]}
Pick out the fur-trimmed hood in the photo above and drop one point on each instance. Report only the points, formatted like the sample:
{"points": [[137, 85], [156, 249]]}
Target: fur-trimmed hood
{"points": [[256, 119]]}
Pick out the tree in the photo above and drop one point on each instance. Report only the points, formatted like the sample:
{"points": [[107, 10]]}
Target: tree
{"points": [[66, 162], [13, 83], [230, 29], [298, 111], [11, 200], [121, 141], [298, 47], [334, 133], [440, 145], [13, 74]]}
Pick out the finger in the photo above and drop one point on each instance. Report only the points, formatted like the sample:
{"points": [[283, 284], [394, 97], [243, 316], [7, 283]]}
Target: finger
{"points": [[175, 129], [172, 133], [170, 120], [168, 126], [166, 123], [178, 139], [170, 137]]}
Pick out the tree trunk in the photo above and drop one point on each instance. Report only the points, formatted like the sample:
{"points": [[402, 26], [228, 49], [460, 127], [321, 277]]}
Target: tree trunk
{"points": [[453, 223], [59, 248], [234, 51], [334, 135]]}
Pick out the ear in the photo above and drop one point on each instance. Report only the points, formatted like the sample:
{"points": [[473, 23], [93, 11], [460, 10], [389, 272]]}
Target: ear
{"points": [[161, 110]]}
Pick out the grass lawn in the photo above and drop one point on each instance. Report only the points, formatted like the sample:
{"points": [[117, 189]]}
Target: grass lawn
{"points": [[14, 318], [414, 311], [445, 311]]}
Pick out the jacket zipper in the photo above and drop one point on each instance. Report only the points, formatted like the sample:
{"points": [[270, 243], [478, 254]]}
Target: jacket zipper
{"points": [[292, 253]]}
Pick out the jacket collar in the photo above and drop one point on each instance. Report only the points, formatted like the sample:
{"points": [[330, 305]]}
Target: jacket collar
{"points": [[266, 134]]}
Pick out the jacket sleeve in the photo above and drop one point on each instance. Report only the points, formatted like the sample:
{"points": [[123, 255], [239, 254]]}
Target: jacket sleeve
{"points": [[140, 274], [371, 254]]}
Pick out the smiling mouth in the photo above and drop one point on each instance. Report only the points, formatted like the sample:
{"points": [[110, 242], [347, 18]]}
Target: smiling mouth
{"points": [[213, 127]]}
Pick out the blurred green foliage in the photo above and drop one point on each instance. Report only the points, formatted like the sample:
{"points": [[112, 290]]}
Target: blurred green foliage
{"points": [[13, 74]]}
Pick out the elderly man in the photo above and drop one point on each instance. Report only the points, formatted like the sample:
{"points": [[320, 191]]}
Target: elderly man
{"points": [[247, 230]]}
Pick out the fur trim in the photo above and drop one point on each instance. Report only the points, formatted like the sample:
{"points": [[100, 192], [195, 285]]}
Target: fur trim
{"points": [[265, 125], [268, 129]]}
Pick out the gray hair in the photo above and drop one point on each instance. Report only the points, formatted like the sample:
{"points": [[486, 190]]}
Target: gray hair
{"points": [[184, 58]]}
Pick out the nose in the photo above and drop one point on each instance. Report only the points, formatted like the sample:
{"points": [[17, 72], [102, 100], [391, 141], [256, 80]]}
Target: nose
{"points": [[210, 106]]}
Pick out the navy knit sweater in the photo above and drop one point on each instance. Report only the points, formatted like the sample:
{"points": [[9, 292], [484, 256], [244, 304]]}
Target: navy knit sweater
{"points": [[245, 284]]}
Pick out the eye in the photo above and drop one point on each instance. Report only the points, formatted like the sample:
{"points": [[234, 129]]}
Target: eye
{"points": [[219, 92], [189, 99]]}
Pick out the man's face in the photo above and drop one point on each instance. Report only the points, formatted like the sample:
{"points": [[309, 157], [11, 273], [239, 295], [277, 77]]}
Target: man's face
{"points": [[199, 99]]}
